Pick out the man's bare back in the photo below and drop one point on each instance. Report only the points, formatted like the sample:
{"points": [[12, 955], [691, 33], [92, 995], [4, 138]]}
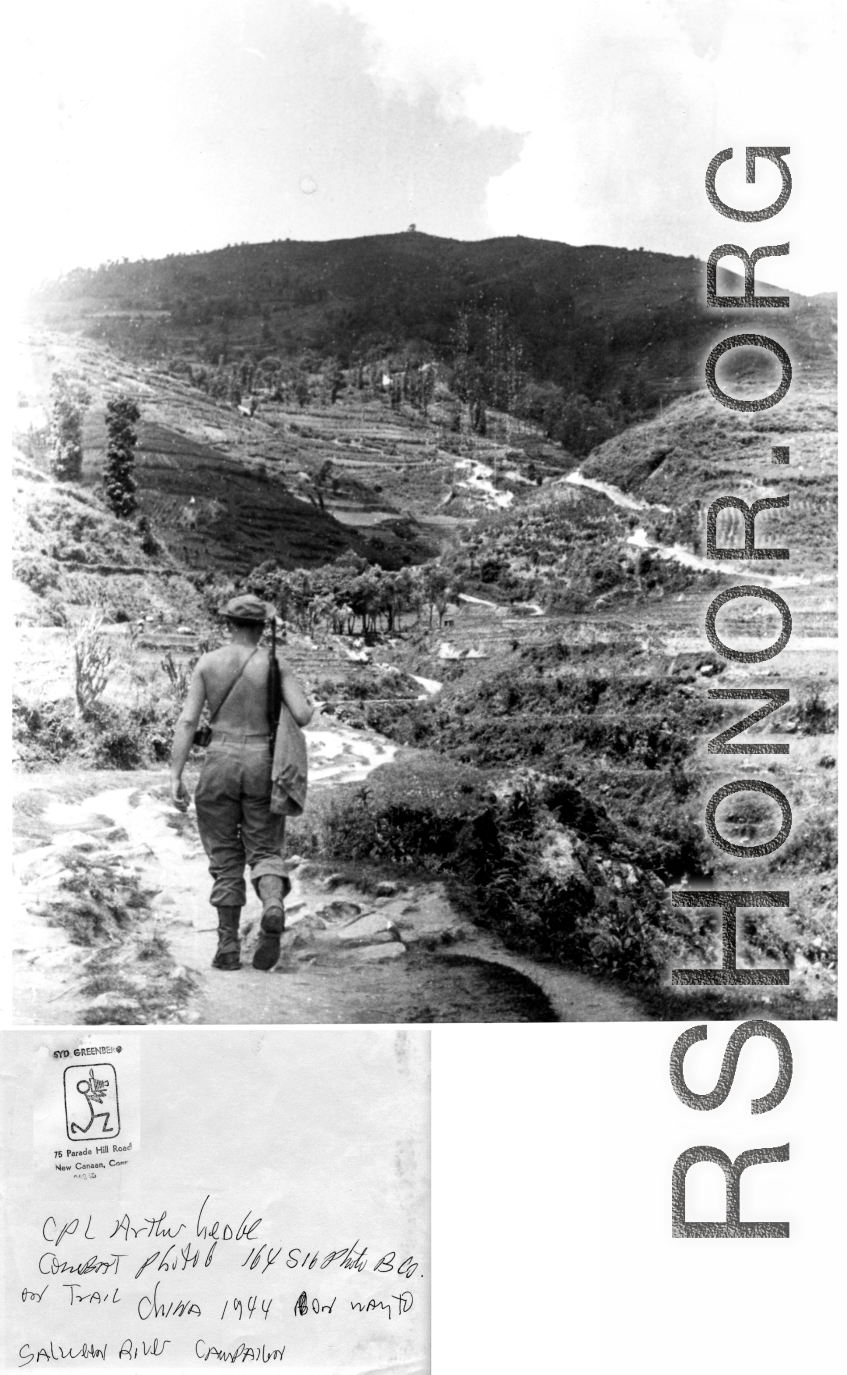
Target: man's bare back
{"points": [[245, 709]]}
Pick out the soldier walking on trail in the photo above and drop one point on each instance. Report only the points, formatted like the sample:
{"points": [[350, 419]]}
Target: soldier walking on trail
{"points": [[233, 796]]}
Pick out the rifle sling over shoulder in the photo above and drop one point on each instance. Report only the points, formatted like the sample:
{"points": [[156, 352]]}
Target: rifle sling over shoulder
{"points": [[275, 698], [220, 705]]}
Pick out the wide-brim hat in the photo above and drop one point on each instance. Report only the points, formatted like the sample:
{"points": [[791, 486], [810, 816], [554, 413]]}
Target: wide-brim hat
{"points": [[246, 608]]}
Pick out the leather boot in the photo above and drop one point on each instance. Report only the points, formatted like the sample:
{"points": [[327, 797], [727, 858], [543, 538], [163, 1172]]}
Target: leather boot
{"points": [[228, 955], [271, 891]]}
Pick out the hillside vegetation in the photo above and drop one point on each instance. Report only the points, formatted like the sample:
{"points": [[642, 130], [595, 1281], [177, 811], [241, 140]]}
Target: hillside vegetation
{"points": [[607, 323], [568, 549], [697, 451], [386, 438]]}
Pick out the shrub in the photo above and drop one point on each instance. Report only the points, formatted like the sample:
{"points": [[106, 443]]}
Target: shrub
{"points": [[109, 737], [47, 732], [815, 716], [414, 814], [92, 661], [98, 899], [149, 544], [130, 737], [54, 610], [533, 858], [39, 574], [70, 401], [116, 747], [34, 442], [178, 675], [813, 847]]}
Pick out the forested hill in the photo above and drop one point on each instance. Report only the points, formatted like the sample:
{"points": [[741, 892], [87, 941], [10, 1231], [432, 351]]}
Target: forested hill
{"points": [[593, 320]]}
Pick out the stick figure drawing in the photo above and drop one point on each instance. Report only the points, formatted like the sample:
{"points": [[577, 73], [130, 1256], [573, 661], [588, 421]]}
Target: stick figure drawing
{"points": [[93, 1091], [87, 1121]]}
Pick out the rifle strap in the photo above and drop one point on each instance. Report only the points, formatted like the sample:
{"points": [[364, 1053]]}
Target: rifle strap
{"points": [[213, 717]]}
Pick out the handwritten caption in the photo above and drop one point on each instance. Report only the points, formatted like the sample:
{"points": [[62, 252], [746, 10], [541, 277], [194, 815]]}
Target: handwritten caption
{"points": [[200, 1281]]}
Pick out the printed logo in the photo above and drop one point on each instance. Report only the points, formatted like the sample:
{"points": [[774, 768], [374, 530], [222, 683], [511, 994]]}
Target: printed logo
{"points": [[91, 1102]]}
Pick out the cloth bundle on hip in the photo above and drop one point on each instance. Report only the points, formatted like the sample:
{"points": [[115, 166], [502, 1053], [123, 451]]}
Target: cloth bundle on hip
{"points": [[289, 771]]}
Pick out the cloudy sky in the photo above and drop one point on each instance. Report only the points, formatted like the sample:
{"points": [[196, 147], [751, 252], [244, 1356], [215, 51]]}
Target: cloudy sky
{"points": [[162, 127]]}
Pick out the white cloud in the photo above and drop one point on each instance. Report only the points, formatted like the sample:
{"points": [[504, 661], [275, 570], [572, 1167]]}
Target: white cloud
{"points": [[623, 105], [129, 120]]}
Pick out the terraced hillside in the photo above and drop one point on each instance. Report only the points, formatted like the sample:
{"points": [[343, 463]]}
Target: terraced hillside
{"points": [[697, 451], [225, 490], [542, 713]]}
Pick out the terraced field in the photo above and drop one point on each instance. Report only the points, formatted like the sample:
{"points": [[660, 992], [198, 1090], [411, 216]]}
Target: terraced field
{"points": [[225, 491], [228, 491]]}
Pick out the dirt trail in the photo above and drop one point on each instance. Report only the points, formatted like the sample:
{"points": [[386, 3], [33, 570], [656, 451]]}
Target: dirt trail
{"points": [[677, 552], [480, 482], [607, 489], [399, 953]]}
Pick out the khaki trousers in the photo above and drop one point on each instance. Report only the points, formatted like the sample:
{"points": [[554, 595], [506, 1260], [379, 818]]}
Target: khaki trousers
{"points": [[234, 818]]}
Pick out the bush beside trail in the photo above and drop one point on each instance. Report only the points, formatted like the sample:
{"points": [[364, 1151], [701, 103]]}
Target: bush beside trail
{"points": [[110, 737], [527, 855]]}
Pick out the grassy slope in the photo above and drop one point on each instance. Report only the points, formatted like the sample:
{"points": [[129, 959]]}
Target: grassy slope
{"points": [[697, 451], [239, 475], [72, 555]]}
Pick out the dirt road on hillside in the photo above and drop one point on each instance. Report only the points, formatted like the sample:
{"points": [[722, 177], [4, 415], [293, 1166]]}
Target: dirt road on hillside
{"points": [[677, 552], [398, 952]]}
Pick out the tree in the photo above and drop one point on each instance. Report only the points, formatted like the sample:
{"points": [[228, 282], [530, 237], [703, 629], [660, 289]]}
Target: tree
{"points": [[479, 423], [70, 400], [427, 386], [333, 378], [434, 579], [322, 479], [119, 478]]}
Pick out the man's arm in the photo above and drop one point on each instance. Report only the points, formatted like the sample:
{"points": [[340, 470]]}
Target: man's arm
{"points": [[297, 700], [184, 736]]}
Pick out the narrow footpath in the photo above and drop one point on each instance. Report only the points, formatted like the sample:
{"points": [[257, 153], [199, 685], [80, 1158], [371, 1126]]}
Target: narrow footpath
{"points": [[400, 952]]}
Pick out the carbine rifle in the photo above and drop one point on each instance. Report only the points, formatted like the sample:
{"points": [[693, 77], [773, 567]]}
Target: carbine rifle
{"points": [[274, 686]]}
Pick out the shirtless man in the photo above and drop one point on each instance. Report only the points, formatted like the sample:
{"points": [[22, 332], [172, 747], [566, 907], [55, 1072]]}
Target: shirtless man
{"points": [[234, 793]]}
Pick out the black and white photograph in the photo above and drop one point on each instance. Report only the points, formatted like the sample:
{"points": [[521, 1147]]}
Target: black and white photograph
{"points": [[423, 636], [353, 402]]}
